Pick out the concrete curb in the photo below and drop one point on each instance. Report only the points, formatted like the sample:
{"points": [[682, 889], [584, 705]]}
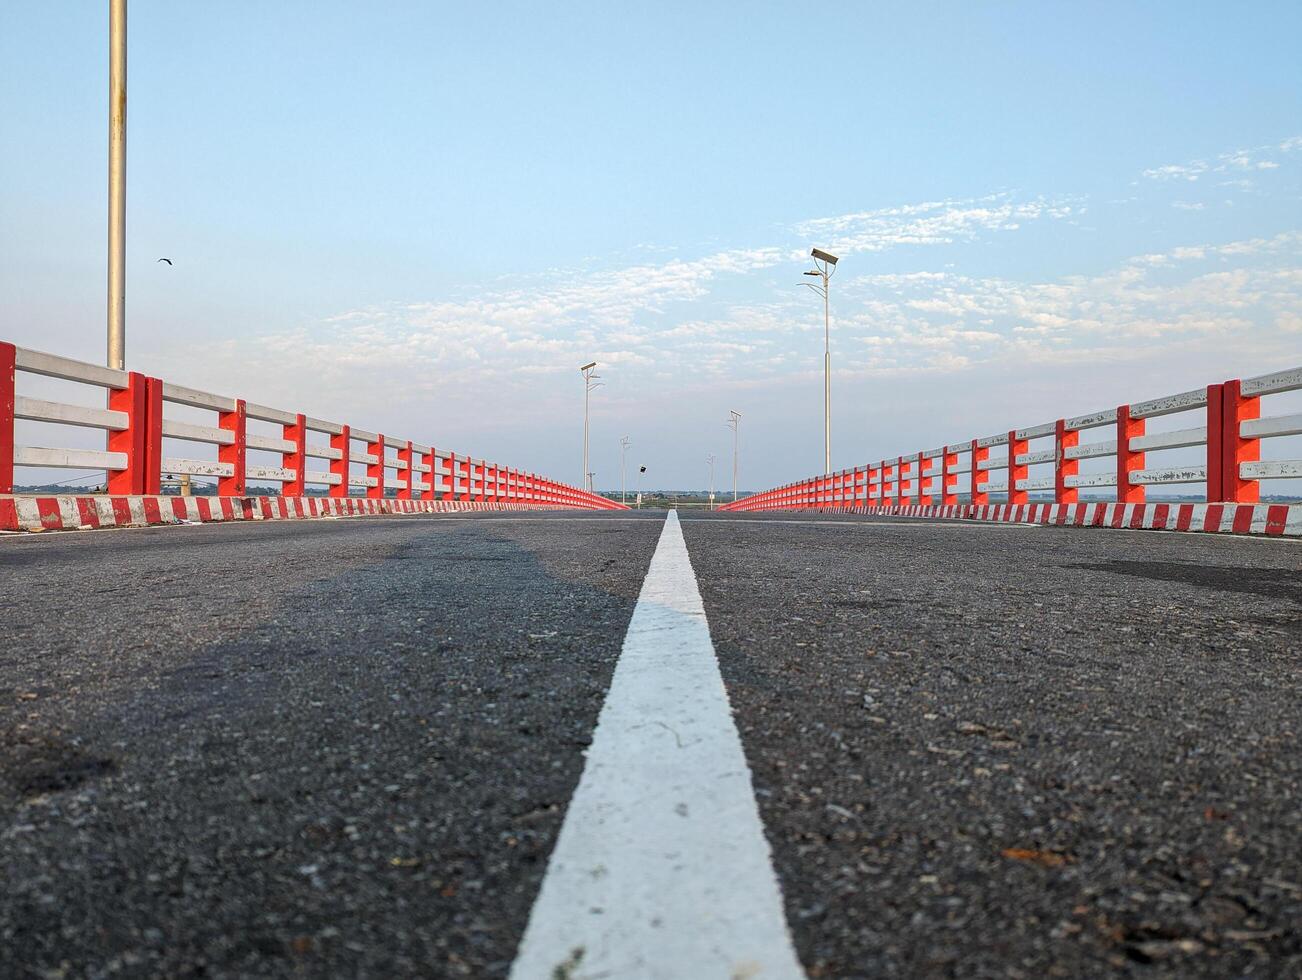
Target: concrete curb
{"points": [[1268, 520], [72, 513]]}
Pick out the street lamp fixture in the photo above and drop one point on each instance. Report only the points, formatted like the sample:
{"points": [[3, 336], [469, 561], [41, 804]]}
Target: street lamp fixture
{"points": [[824, 267]]}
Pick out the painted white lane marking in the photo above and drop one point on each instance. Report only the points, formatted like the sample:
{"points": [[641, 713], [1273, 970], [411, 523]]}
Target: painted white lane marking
{"points": [[661, 869]]}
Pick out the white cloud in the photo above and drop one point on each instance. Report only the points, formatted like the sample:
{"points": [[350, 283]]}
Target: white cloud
{"points": [[931, 223], [1254, 158], [1147, 305]]}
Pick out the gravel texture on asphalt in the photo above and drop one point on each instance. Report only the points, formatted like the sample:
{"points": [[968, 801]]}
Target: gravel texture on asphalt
{"points": [[336, 748], [990, 750]]}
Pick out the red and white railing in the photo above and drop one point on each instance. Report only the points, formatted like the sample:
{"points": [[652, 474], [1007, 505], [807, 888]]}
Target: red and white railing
{"points": [[253, 443], [1223, 428]]}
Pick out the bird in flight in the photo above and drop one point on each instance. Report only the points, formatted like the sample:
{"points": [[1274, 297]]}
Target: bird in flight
{"points": [[168, 261]]}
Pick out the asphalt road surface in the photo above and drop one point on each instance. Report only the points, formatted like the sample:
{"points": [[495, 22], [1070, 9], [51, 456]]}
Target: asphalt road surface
{"points": [[347, 748]]}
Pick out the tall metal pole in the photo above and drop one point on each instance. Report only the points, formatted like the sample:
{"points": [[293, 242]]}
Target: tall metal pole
{"points": [[590, 381], [735, 421], [117, 189], [736, 446], [827, 378], [824, 266], [623, 457]]}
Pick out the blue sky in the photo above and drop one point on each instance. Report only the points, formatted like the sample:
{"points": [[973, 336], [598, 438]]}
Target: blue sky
{"points": [[422, 218]]}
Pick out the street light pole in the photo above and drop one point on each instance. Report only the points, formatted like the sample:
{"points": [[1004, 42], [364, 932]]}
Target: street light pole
{"points": [[824, 267], [623, 456], [734, 423], [591, 382], [710, 459], [117, 185]]}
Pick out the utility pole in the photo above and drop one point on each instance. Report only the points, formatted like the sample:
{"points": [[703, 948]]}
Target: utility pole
{"points": [[624, 443], [591, 382], [117, 185], [734, 422], [824, 267]]}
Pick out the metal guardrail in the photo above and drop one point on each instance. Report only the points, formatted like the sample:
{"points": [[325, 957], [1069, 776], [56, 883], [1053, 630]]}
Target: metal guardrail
{"points": [[1230, 431], [136, 422]]}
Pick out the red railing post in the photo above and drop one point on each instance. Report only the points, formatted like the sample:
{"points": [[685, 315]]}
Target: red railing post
{"points": [[341, 467], [1064, 439], [153, 436], [979, 455], [132, 440], [235, 453], [948, 464], [375, 471], [407, 457], [295, 460], [1215, 442], [926, 470], [1235, 449], [1017, 471], [1128, 461], [8, 389], [430, 459]]}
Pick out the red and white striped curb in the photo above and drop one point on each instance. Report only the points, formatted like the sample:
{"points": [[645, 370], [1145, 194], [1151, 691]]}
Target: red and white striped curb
{"points": [[1270, 520], [84, 513]]}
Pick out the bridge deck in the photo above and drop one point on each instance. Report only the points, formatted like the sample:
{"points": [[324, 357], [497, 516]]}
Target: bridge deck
{"points": [[348, 747]]}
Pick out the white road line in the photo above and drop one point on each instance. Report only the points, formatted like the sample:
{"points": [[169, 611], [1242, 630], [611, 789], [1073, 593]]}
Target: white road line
{"points": [[661, 869]]}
